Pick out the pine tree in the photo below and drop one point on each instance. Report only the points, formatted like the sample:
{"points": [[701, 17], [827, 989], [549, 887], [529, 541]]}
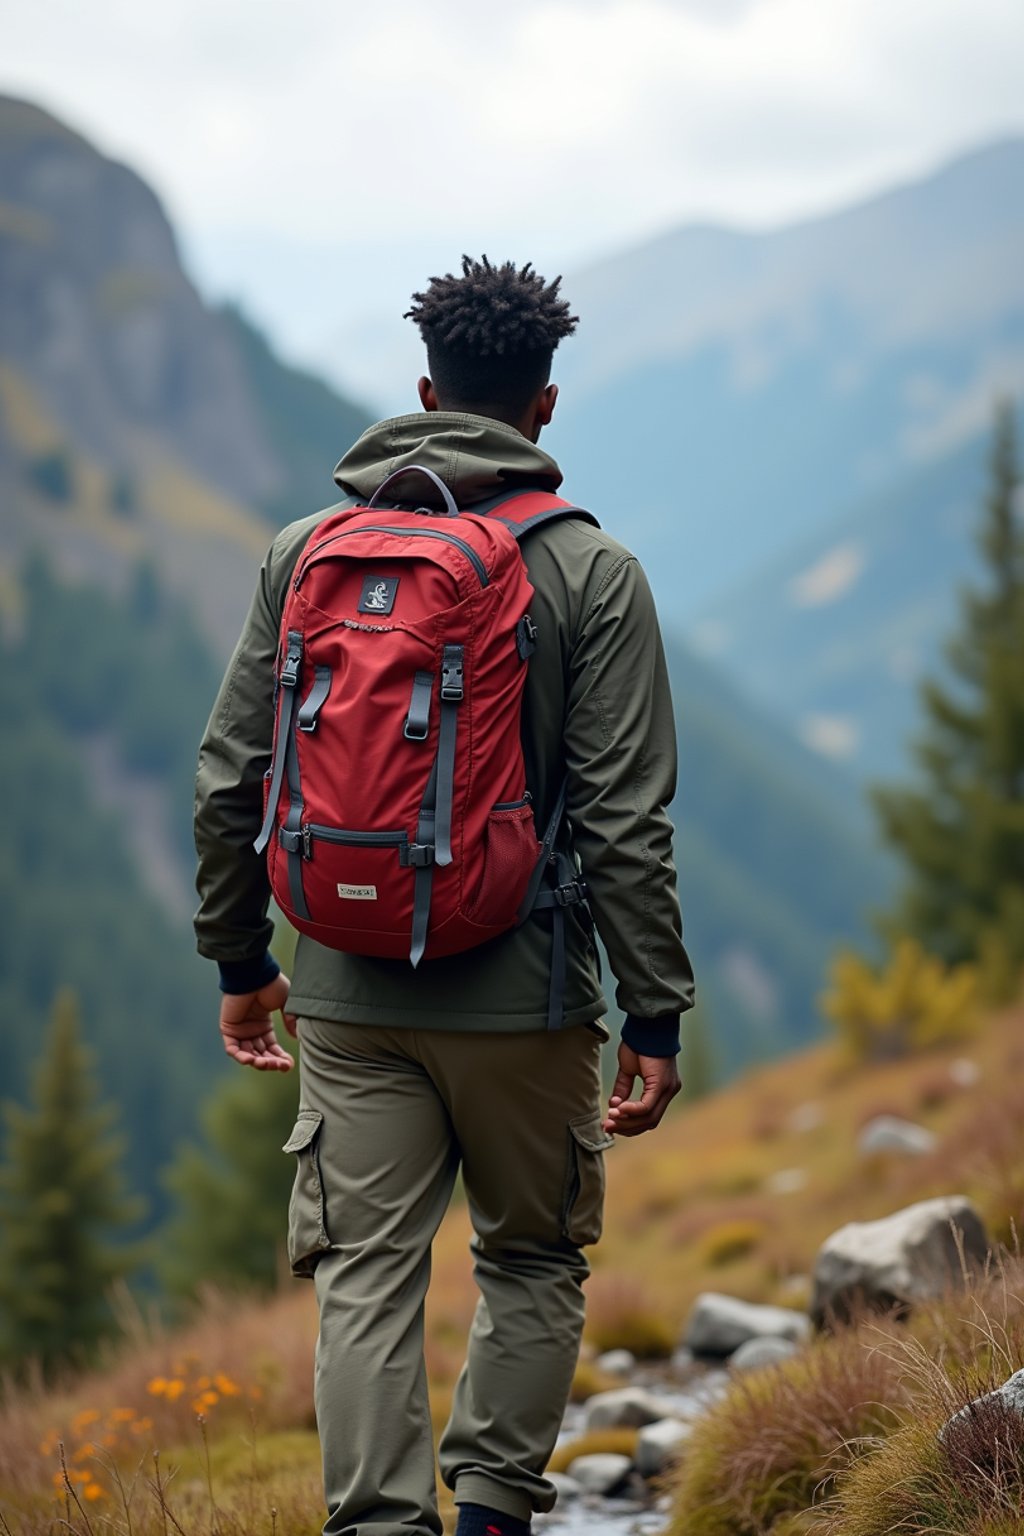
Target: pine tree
{"points": [[960, 829], [232, 1194], [62, 1200]]}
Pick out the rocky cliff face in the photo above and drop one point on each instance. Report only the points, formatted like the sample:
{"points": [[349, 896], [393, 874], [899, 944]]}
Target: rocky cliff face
{"points": [[99, 318]]}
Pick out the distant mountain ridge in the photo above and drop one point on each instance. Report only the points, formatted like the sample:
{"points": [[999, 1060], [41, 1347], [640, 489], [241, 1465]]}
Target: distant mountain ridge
{"points": [[835, 634], [736, 391]]}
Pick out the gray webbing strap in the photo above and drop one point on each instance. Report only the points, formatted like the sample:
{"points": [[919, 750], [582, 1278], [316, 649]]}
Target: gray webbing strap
{"points": [[317, 697], [423, 880], [567, 893], [547, 844], [293, 825], [289, 681], [451, 698], [417, 721]]}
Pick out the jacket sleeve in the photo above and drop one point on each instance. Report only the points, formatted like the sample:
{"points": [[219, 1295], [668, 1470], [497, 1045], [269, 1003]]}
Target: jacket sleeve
{"points": [[620, 745], [231, 922]]}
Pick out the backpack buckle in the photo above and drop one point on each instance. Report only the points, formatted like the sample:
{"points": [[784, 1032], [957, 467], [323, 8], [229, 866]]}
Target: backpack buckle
{"points": [[526, 637], [292, 661], [572, 894], [451, 675], [418, 855]]}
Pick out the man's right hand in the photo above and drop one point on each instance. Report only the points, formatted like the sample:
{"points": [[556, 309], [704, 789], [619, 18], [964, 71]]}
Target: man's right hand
{"points": [[247, 1030], [659, 1076]]}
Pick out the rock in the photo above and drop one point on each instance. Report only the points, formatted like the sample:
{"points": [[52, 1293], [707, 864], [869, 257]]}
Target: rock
{"points": [[719, 1324], [755, 1353], [786, 1181], [660, 1446], [1009, 1396], [616, 1362], [964, 1072], [907, 1257], [806, 1118], [623, 1408], [566, 1487], [888, 1133], [600, 1473]]}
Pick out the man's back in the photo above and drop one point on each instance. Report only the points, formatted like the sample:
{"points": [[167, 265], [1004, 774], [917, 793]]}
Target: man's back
{"points": [[409, 1074]]}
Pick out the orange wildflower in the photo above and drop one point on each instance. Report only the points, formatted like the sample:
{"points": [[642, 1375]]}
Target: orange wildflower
{"points": [[93, 1491], [225, 1386], [122, 1416]]}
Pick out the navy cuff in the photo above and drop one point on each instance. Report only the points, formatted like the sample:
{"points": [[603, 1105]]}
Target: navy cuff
{"points": [[652, 1037], [239, 976]]}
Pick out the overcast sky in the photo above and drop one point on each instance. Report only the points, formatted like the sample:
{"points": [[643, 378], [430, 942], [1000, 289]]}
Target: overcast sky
{"points": [[320, 157]]}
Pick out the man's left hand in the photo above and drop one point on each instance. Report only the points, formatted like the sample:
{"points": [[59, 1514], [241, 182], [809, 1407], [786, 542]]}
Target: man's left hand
{"points": [[247, 1030]]}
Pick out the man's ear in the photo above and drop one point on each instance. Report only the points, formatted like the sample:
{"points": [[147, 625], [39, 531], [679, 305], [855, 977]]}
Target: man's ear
{"points": [[428, 397], [544, 409]]}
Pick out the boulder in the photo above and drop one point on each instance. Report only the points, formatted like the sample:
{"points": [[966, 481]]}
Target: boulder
{"points": [[622, 1408], [600, 1473], [756, 1353], [888, 1133], [1009, 1396], [964, 1072], [719, 1324], [806, 1118], [660, 1446], [786, 1181], [907, 1257], [616, 1362], [566, 1487]]}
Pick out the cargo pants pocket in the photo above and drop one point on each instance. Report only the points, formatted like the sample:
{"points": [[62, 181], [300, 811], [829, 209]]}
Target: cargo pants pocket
{"points": [[307, 1230], [583, 1191]]}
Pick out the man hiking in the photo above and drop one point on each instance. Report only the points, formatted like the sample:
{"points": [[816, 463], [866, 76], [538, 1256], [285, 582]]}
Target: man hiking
{"points": [[488, 1058]]}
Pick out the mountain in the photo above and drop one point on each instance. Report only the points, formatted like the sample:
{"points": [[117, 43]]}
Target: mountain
{"points": [[734, 392], [149, 445], [834, 635], [182, 423]]}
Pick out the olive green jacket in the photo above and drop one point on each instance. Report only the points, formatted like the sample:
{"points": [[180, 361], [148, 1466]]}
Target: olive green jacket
{"points": [[597, 710]]}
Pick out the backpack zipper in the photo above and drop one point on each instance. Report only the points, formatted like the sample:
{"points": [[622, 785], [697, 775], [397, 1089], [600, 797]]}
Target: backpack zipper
{"points": [[405, 533], [312, 829]]}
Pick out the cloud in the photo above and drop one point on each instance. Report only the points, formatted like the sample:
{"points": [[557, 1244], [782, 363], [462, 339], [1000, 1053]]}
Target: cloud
{"points": [[558, 129], [594, 119]]}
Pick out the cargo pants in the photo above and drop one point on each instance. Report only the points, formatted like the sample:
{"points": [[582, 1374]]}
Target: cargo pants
{"points": [[387, 1118]]}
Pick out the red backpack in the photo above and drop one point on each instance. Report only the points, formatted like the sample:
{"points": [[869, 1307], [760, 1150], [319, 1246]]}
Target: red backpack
{"points": [[406, 827]]}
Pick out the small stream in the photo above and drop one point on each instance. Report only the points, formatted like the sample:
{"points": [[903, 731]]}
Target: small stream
{"points": [[686, 1389]]}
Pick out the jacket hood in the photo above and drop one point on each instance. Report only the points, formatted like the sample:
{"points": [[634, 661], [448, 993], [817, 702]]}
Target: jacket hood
{"points": [[475, 456]]}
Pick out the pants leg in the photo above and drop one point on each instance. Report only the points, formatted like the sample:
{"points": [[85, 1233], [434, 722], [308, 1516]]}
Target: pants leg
{"points": [[374, 1179], [526, 1110]]}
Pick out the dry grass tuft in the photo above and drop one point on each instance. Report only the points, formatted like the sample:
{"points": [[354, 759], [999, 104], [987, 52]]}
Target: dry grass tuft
{"points": [[772, 1448], [622, 1315], [730, 1240]]}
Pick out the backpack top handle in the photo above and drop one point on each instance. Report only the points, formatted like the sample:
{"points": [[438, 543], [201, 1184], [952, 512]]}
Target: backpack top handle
{"points": [[416, 469]]}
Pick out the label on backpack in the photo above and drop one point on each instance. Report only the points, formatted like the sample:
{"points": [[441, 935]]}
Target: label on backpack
{"points": [[378, 594], [357, 892]]}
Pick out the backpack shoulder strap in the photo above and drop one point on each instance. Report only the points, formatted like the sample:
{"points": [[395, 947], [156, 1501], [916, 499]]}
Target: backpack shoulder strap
{"points": [[525, 509]]}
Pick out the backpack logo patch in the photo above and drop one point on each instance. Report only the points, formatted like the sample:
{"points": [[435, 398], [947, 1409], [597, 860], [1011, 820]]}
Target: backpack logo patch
{"points": [[357, 892], [378, 594]]}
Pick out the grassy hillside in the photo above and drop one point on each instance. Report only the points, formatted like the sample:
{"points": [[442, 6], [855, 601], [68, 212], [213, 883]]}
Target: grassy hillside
{"points": [[711, 1201]]}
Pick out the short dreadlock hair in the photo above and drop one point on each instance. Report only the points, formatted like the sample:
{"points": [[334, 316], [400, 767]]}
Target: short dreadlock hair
{"points": [[491, 334]]}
